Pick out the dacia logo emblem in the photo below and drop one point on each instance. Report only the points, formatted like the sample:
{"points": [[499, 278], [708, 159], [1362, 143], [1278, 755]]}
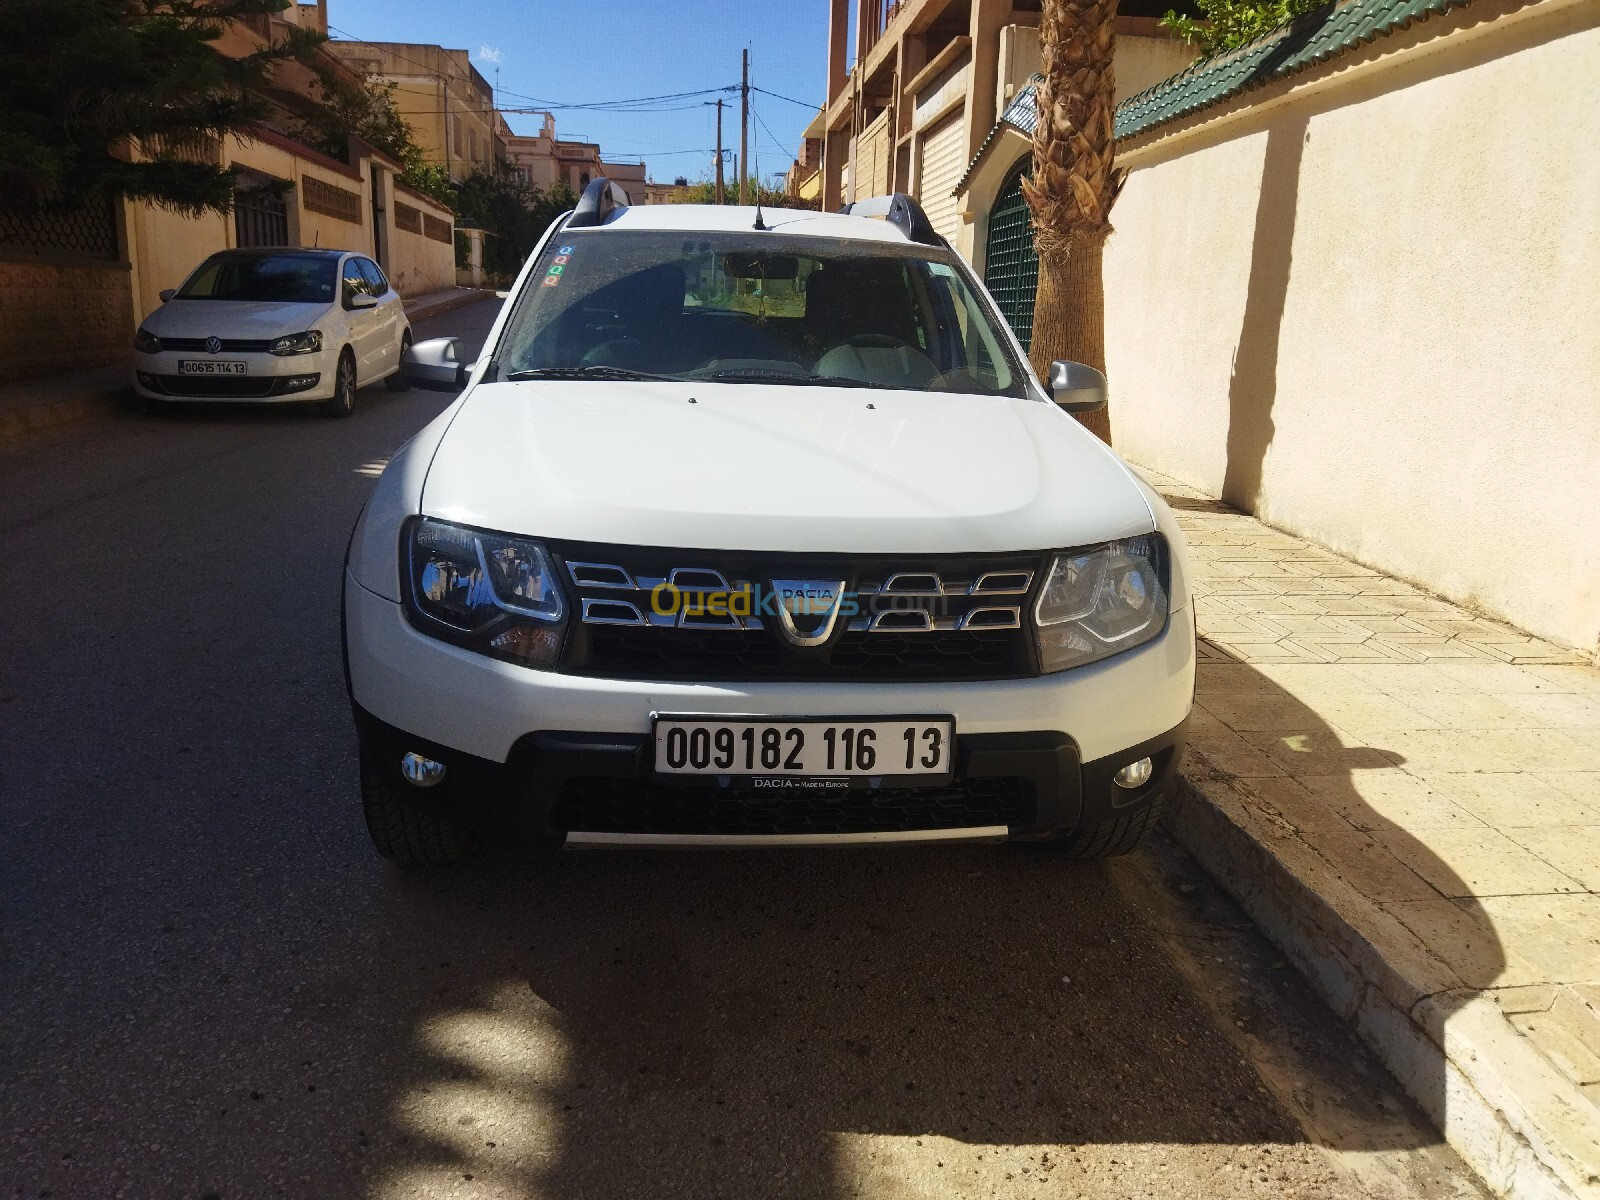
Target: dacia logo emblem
{"points": [[213, 345], [807, 609]]}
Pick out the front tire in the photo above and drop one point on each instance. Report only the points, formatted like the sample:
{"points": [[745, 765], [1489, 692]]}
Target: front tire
{"points": [[399, 828], [398, 381], [1119, 835], [343, 401]]}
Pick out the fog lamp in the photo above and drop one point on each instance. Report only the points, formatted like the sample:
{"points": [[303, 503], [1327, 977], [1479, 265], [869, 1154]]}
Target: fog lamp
{"points": [[1135, 774], [420, 771]]}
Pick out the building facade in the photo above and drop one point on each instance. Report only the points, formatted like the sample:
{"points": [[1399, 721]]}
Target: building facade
{"points": [[74, 285], [544, 159], [442, 96], [925, 93]]}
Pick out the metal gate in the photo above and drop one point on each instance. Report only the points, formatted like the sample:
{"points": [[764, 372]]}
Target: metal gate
{"points": [[260, 218], [1010, 264]]}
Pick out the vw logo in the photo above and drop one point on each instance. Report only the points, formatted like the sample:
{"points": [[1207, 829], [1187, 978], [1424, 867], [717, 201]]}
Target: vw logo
{"points": [[213, 345], [807, 609]]}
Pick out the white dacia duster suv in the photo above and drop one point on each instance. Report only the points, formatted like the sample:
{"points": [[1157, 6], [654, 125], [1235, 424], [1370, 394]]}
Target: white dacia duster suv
{"points": [[755, 528]]}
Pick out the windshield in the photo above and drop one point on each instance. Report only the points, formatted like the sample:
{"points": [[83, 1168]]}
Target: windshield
{"points": [[754, 307], [290, 278]]}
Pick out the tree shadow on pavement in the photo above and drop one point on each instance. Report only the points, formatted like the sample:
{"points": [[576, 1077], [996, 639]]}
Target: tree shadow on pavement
{"points": [[729, 1024], [1340, 860]]}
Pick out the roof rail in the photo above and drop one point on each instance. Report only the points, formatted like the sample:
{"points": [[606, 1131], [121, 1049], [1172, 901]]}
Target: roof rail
{"points": [[600, 199], [903, 212]]}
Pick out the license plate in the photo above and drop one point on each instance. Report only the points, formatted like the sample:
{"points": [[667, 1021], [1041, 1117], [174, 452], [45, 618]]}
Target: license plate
{"points": [[839, 749], [211, 366]]}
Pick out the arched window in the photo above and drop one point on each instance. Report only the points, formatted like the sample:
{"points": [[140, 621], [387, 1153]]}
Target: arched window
{"points": [[583, 181], [1010, 264]]}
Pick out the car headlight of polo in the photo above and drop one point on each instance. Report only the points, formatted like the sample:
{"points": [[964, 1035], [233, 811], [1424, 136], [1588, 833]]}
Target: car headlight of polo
{"points": [[308, 342], [146, 342], [489, 592], [1102, 600]]}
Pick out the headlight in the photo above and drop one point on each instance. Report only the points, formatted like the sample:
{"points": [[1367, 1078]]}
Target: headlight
{"points": [[146, 342], [1101, 601], [490, 592], [299, 343]]}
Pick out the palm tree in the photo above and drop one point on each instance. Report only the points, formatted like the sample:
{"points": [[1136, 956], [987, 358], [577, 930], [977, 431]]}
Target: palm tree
{"points": [[1074, 185]]}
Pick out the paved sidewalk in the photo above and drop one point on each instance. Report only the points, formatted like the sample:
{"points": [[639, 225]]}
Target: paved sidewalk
{"points": [[1406, 797], [419, 308]]}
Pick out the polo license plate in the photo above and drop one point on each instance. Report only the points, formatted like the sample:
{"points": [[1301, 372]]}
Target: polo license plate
{"points": [[211, 366]]}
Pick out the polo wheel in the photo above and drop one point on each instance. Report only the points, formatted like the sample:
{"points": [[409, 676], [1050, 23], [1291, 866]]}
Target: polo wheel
{"points": [[343, 401], [398, 381]]}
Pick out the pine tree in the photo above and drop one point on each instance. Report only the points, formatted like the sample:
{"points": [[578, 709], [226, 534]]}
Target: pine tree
{"points": [[116, 97]]}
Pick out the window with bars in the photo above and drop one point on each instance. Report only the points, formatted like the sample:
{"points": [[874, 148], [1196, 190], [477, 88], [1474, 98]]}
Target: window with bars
{"points": [[1010, 263]]}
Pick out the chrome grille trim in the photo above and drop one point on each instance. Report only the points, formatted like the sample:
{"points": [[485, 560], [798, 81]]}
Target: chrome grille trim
{"points": [[903, 620], [679, 579], [600, 611], [992, 618], [620, 578], [1018, 585], [902, 583]]}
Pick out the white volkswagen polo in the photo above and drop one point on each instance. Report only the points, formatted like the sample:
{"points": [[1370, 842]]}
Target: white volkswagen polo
{"points": [[274, 326], [755, 528]]}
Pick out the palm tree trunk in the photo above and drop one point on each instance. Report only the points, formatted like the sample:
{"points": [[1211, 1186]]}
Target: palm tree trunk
{"points": [[1069, 317], [1074, 185]]}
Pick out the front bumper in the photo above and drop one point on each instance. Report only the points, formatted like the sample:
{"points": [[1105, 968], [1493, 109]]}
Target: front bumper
{"points": [[513, 738], [269, 378], [598, 789]]}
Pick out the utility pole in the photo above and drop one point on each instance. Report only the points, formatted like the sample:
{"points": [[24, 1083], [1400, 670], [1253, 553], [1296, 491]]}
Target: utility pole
{"points": [[744, 125], [721, 195]]}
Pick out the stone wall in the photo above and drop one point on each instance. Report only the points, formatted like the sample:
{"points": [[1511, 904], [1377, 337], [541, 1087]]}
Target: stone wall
{"points": [[60, 317]]}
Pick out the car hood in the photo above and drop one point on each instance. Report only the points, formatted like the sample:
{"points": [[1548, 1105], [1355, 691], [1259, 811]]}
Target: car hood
{"points": [[780, 467], [233, 318]]}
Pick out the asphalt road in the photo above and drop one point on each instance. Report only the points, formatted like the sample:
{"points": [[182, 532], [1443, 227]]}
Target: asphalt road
{"points": [[213, 987]]}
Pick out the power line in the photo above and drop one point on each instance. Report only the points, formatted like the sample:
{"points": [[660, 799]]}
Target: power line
{"points": [[790, 99]]}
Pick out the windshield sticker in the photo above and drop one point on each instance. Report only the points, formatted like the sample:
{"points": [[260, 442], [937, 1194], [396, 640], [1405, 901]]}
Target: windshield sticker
{"points": [[553, 275]]}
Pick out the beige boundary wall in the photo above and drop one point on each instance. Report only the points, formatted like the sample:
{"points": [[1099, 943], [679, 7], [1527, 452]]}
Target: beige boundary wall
{"points": [[329, 205], [1364, 304]]}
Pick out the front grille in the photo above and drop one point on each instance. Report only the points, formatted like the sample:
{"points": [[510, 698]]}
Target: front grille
{"points": [[220, 385], [235, 345], [638, 806], [916, 619]]}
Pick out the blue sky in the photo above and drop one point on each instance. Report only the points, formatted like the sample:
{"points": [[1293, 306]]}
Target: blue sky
{"points": [[598, 50]]}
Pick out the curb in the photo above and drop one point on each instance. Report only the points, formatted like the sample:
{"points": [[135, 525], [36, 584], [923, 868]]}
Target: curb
{"points": [[1523, 1127], [421, 312], [36, 418]]}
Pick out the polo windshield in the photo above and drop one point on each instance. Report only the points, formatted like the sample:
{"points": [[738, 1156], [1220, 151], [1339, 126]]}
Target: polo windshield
{"points": [[754, 308], [286, 278]]}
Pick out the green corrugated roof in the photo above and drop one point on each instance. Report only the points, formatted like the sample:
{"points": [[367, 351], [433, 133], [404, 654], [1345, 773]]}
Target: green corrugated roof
{"points": [[1313, 38]]}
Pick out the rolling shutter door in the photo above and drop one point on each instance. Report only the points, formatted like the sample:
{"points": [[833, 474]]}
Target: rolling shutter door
{"points": [[942, 163]]}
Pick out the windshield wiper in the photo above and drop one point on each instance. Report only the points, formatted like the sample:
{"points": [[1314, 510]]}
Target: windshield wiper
{"points": [[591, 372], [770, 375]]}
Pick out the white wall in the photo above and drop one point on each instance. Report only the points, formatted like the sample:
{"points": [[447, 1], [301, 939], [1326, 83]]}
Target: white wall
{"points": [[1369, 310]]}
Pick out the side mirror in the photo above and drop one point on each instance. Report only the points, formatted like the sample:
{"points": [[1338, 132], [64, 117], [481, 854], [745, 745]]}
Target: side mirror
{"points": [[1077, 388], [168, 294], [362, 300], [435, 364]]}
